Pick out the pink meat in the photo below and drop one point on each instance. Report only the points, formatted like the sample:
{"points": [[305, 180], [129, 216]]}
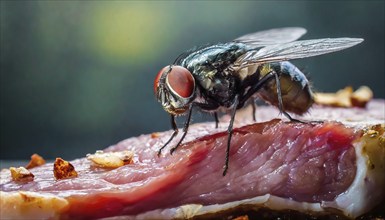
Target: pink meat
{"points": [[304, 162]]}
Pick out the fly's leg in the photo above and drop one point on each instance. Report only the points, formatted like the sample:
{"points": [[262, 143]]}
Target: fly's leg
{"points": [[259, 85], [255, 88], [254, 108], [185, 129], [280, 102], [229, 135], [216, 119], [175, 128]]}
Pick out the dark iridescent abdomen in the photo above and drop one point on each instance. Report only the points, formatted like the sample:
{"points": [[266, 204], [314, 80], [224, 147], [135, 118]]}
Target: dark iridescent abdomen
{"points": [[295, 89]]}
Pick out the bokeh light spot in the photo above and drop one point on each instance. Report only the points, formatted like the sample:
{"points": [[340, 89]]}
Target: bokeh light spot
{"points": [[128, 32]]}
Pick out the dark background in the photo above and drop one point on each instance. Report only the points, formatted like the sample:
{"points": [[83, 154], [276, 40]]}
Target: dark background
{"points": [[77, 76]]}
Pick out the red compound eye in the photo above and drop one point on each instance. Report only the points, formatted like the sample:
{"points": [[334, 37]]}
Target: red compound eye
{"points": [[157, 78], [181, 81]]}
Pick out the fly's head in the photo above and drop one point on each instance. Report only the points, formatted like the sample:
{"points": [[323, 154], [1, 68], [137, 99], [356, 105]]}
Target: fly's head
{"points": [[174, 87]]}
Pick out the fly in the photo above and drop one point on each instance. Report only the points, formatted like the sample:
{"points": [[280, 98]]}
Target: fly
{"points": [[228, 75]]}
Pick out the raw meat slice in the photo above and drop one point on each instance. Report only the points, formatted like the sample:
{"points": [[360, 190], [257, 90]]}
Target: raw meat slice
{"points": [[335, 167]]}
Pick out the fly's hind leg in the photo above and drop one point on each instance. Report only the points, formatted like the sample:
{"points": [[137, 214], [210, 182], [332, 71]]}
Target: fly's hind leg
{"points": [[280, 102]]}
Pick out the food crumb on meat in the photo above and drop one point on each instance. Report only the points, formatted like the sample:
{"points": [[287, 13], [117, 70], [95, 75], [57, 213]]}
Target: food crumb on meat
{"points": [[155, 135], [21, 174], [36, 160], [345, 97], [111, 159], [63, 169], [361, 96]]}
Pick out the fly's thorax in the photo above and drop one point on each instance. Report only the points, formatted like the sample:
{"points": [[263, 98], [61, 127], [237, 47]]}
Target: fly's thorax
{"points": [[296, 93], [217, 56], [209, 67], [220, 89], [174, 88]]}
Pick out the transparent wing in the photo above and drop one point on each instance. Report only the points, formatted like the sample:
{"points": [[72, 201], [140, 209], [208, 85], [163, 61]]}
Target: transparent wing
{"points": [[295, 50], [272, 36]]}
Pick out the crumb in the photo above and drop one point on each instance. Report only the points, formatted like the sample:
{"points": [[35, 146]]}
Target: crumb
{"points": [[345, 97], [36, 160], [361, 96], [111, 159], [155, 135], [21, 174], [63, 169]]}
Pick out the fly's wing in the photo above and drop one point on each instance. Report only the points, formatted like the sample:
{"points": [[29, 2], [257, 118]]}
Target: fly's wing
{"points": [[295, 50], [272, 36]]}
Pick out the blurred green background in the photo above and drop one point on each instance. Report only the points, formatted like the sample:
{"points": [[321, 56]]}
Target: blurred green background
{"points": [[77, 76]]}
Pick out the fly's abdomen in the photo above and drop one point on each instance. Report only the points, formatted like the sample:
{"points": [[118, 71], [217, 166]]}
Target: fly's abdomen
{"points": [[297, 96]]}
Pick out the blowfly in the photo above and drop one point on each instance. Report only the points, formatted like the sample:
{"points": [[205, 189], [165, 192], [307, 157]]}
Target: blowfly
{"points": [[225, 76]]}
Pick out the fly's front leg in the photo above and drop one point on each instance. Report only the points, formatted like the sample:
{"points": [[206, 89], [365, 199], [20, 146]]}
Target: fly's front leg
{"points": [[175, 128], [185, 129]]}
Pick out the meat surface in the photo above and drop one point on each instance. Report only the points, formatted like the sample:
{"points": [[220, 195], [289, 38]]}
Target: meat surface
{"points": [[275, 164]]}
